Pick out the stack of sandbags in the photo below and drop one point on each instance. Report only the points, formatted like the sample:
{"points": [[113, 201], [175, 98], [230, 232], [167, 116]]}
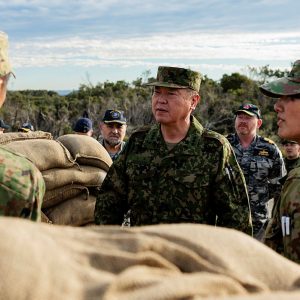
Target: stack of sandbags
{"points": [[158, 262], [71, 192], [72, 166]]}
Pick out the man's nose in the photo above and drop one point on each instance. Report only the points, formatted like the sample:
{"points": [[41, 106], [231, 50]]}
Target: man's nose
{"points": [[278, 105], [162, 98], [114, 129]]}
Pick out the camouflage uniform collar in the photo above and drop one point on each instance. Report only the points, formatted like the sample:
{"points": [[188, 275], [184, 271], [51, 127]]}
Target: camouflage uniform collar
{"points": [[154, 139]]}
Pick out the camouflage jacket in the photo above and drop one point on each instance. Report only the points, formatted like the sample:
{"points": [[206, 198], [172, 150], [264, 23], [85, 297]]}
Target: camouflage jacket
{"points": [[22, 187], [198, 181], [291, 163], [263, 166], [281, 235]]}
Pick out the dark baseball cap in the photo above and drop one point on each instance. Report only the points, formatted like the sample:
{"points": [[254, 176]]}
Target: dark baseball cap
{"points": [[114, 116], [249, 109], [285, 86], [179, 78], [3, 125], [83, 125]]}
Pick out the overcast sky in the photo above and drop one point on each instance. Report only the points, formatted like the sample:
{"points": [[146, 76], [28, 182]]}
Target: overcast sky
{"points": [[62, 44]]}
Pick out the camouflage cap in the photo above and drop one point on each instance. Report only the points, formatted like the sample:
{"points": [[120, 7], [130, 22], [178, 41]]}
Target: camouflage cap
{"points": [[5, 67], [286, 86], [179, 78]]}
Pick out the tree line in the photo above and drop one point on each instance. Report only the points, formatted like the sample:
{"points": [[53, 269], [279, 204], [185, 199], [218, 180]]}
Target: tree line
{"points": [[51, 112]]}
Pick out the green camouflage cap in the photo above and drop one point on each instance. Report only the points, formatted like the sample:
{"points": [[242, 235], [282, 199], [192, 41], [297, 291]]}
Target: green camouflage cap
{"points": [[5, 67], [286, 86], [179, 78]]}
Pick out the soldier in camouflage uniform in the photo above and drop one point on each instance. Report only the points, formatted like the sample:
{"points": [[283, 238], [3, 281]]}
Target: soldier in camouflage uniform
{"points": [[283, 232], [261, 162], [291, 154], [176, 170], [21, 184]]}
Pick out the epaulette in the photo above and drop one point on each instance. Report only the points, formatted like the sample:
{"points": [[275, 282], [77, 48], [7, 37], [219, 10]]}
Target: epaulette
{"points": [[214, 135], [269, 140], [142, 128]]}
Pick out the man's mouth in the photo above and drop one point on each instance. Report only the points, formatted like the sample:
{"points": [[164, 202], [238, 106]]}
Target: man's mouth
{"points": [[279, 121]]}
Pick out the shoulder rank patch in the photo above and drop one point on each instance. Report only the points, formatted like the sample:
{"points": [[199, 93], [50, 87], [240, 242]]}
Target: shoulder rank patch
{"points": [[268, 140]]}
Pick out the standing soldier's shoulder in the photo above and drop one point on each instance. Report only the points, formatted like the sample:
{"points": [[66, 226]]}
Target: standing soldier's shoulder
{"points": [[140, 132], [215, 137], [267, 140], [270, 144]]}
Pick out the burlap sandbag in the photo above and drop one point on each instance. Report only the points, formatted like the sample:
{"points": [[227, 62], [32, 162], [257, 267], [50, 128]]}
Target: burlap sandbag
{"points": [[45, 219], [86, 150], [76, 211], [84, 175], [159, 262], [53, 197], [19, 136], [45, 154]]}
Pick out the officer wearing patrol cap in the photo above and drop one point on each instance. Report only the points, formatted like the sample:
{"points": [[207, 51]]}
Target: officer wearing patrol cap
{"points": [[291, 154], [261, 161], [113, 130], [283, 231], [175, 171], [21, 184], [84, 126]]}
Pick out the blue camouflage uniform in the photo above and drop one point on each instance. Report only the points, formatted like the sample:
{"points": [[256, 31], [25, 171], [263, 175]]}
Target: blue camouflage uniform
{"points": [[263, 166], [198, 181]]}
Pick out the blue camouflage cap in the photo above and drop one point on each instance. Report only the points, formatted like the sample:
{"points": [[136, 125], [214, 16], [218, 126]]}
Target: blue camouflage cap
{"points": [[179, 78]]}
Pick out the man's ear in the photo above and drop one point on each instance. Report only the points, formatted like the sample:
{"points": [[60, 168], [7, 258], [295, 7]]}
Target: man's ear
{"points": [[259, 123], [195, 100]]}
